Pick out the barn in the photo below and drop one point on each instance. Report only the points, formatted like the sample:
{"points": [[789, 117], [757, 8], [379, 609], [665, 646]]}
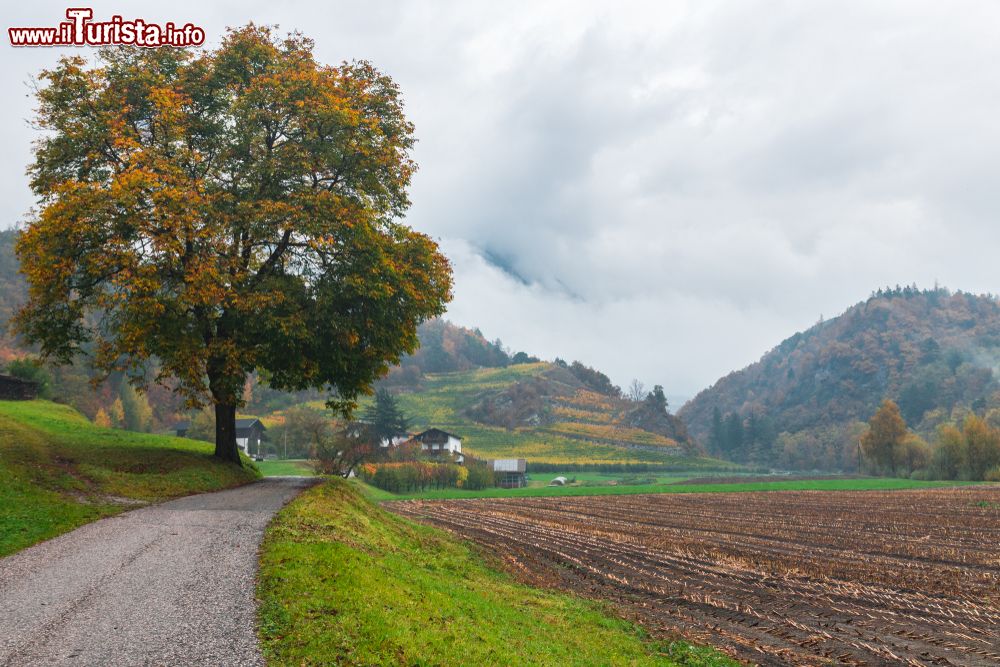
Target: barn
{"points": [[16, 389], [510, 473], [249, 433]]}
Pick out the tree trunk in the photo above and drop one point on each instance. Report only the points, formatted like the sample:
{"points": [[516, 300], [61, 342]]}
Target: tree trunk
{"points": [[225, 433]]}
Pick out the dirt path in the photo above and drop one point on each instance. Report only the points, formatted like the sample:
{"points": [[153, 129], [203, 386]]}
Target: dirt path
{"points": [[170, 584]]}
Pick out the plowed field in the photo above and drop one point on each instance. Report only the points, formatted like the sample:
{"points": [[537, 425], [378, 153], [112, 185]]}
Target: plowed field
{"points": [[780, 578]]}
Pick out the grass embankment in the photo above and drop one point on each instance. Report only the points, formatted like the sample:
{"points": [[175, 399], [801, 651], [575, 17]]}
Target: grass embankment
{"points": [[286, 468], [851, 484], [59, 471], [343, 582]]}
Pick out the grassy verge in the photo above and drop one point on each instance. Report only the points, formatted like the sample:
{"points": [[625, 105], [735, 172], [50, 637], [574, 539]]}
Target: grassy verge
{"points": [[863, 484], [343, 582], [283, 468], [59, 471]]}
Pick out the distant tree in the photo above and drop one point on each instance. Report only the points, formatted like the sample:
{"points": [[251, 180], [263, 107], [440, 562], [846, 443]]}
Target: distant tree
{"points": [[759, 439], [202, 426], [116, 414], [658, 399], [384, 418], [884, 440], [916, 398], [302, 429], [733, 441], [343, 450], [982, 447], [523, 358], [717, 432], [32, 370], [136, 413], [636, 391], [914, 454], [594, 379], [101, 419], [227, 211]]}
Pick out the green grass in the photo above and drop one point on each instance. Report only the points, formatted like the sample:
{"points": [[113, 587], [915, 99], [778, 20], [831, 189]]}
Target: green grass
{"points": [[343, 582], [863, 484], [284, 468], [590, 478], [59, 471]]}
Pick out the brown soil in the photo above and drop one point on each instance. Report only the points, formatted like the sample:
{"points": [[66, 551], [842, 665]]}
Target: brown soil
{"points": [[791, 578]]}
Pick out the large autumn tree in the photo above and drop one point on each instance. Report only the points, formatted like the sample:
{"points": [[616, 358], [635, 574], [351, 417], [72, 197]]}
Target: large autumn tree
{"points": [[222, 212]]}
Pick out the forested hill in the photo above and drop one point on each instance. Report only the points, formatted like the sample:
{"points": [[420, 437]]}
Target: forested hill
{"points": [[935, 352], [13, 291]]}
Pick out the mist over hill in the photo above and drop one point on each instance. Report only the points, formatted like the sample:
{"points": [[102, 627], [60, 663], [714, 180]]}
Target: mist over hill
{"points": [[936, 353]]}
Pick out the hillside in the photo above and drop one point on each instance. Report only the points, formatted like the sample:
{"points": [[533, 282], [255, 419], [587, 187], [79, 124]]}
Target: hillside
{"points": [[934, 352], [502, 403], [59, 471], [543, 412]]}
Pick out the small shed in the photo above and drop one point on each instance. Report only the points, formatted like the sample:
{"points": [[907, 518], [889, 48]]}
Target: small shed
{"points": [[15, 389], [249, 434], [510, 473]]}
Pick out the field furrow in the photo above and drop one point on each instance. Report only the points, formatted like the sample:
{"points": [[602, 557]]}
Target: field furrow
{"points": [[900, 577]]}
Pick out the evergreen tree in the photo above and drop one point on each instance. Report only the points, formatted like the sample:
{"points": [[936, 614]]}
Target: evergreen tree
{"points": [[384, 417], [717, 434], [733, 443]]}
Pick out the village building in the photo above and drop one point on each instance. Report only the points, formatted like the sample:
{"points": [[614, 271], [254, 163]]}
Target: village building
{"points": [[15, 389], [249, 434], [436, 442], [510, 473]]}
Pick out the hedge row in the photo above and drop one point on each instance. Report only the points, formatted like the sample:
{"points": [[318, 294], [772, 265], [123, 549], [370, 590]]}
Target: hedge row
{"points": [[408, 476]]}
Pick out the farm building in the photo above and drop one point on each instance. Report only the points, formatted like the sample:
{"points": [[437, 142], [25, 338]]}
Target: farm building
{"points": [[16, 389], [249, 433], [510, 473], [436, 442]]}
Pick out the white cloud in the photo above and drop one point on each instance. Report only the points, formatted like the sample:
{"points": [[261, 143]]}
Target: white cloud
{"points": [[676, 186]]}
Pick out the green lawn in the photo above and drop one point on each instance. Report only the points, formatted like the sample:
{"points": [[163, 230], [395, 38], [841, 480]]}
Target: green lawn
{"points": [[285, 468], [847, 484], [59, 471], [590, 478], [343, 582]]}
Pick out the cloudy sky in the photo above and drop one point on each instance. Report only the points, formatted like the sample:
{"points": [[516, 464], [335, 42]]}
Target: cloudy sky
{"points": [[664, 190]]}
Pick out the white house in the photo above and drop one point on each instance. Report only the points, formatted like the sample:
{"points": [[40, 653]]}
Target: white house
{"points": [[436, 442]]}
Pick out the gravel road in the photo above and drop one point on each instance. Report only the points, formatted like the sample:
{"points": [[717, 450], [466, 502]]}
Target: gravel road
{"points": [[169, 584]]}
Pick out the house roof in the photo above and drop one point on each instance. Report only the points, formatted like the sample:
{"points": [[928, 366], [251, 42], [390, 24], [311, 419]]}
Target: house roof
{"points": [[243, 423], [16, 380], [248, 422], [435, 434], [509, 465]]}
